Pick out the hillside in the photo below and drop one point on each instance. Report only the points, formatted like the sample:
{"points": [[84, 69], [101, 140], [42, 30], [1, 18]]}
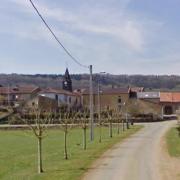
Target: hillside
{"points": [[81, 80]]}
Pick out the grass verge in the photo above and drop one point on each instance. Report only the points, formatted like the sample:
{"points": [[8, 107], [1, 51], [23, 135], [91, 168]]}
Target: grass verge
{"points": [[173, 142], [18, 153]]}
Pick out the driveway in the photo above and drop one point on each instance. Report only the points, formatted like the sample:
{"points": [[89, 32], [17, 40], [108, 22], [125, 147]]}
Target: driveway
{"points": [[137, 158]]}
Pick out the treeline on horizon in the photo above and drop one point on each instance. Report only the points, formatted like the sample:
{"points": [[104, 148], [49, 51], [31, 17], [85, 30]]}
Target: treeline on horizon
{"points": [[151, 82]]}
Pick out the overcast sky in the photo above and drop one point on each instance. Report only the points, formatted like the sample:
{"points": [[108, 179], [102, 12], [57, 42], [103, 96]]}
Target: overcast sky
{"points": [[115, 36]]}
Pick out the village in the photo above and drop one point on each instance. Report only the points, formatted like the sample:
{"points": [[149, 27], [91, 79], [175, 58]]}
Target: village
{"points": [[140, 104], [89, 90]]}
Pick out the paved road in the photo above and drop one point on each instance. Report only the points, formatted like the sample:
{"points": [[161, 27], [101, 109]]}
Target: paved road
{"points": [[134, 159]]}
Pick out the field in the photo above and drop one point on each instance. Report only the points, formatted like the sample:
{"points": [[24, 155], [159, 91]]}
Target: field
{"points": [[18, 153], [173, 142]]}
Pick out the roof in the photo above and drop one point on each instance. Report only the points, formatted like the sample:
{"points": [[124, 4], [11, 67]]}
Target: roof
{"points": [[67, 75], [137, 89], [116, 91], [172, 97], [148, 95], [108, 91], [58, 91], [18, 90]]}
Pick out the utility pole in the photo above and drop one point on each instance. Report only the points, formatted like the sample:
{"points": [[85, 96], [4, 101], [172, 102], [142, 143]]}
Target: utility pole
{"points": [[99, 110], [91, 105], [99, 105]]}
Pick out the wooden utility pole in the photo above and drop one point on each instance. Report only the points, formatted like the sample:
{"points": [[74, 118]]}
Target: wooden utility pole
{"points": [[99, 110]]}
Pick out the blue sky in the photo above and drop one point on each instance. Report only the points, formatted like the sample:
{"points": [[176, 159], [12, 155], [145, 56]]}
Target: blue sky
{"points": [[115, 36]]}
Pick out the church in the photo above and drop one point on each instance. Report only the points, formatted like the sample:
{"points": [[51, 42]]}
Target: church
{"points": [[58, 97], [67, 82]]}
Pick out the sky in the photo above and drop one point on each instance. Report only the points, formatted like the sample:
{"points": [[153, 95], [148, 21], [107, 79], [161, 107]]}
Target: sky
{"points": [[115, 36]]}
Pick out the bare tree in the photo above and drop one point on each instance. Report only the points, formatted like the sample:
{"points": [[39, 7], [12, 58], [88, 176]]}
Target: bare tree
{"points": [[83, 118], [110, 119], [66, 120], [117, 117], [38, 122], [100, 122]]}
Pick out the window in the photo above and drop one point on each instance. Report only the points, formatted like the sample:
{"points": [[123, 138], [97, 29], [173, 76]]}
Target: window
{"points": [[56, 97], [119, 100]]}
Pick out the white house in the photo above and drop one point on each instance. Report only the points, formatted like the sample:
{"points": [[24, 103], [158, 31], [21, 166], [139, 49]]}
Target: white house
{"points": [[63, 97]]}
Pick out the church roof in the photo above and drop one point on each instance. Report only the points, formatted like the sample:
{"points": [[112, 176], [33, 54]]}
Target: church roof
{"points": [[67, 75], [19, 90]]}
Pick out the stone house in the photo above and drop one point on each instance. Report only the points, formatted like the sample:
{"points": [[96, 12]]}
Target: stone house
{"points": [[170, 102], [113, 98], [163, 104], [52, 99], [17, 95]]}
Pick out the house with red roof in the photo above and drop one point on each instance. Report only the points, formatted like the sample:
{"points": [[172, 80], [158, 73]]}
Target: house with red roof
{"points": [[170, 102], [164, 104], [16, 95], [51, 99]]}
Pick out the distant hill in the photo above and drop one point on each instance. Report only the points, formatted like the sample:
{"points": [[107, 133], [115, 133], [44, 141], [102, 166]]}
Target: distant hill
{"points": [[150, 82]]}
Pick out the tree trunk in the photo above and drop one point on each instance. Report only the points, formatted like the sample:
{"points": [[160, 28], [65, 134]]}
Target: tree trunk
{"points": [[123, 128], [127, 124], [127, 121], [110, 129], [118, 131], [40, 170], [65, 145], [84, 138], [100, 135]]}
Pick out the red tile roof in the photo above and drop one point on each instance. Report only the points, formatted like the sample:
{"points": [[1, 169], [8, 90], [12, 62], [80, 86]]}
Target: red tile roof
{"points": [[59, 91], [18, 90], [172, 97], [136, 89]]}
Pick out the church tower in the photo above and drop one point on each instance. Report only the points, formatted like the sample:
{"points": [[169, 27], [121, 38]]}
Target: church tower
{"points": [[67, 83]]}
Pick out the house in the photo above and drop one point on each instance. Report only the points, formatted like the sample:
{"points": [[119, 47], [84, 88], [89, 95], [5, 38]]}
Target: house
{"points": [[149, 103], [42, 103], [14, 96], [51, 99], [149, 96], [63, 97], [134, 90], [113, 98], [170, 102], [163, 104]]}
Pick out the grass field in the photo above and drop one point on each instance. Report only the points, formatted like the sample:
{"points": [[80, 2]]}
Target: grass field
{"points": [[173, 142], [18, 154]]}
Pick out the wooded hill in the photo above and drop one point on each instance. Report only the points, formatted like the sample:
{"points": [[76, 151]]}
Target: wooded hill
{"points": [[150, 82]]}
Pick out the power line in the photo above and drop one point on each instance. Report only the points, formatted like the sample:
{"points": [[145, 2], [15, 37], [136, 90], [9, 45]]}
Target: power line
{"points": [[56, 38]]}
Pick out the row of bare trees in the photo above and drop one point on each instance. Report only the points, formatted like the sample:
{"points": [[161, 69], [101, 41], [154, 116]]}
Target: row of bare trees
{"points": [[39, 122]]}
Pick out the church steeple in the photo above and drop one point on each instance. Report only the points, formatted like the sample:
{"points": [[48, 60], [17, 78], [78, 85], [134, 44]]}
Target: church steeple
{"points": [[67, 83]]}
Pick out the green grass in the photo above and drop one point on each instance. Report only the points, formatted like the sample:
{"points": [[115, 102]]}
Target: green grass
{"points": [[18, 154], [173, 142]]}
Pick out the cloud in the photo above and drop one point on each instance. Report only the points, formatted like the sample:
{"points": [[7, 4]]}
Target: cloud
{"points": [[105, 22]]}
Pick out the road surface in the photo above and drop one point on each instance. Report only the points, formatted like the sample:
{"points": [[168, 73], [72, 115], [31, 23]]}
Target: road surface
{"points": [[137, 158]]}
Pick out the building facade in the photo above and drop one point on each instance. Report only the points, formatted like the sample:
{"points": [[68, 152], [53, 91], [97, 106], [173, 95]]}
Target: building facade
{"points": [[114, 98], [14, 96]]}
